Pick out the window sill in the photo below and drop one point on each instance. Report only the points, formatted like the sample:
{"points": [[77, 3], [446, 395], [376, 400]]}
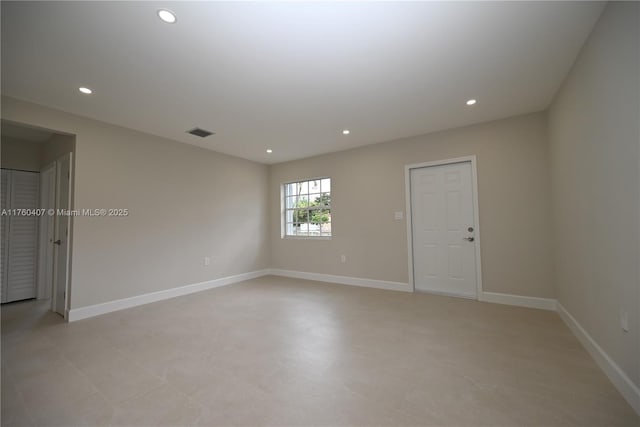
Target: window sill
{"points": [[306, 237]]}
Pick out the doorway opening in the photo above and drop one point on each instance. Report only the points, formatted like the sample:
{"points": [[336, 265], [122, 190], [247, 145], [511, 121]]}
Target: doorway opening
{"points": [[443, 230], [37, 198]]}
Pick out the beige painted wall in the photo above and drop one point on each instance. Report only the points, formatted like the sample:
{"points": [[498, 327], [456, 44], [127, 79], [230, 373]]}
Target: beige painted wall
{"points": [[185, 203], [55, 147], [33, 156], [594, 142], [368, 186], [20, 154]]}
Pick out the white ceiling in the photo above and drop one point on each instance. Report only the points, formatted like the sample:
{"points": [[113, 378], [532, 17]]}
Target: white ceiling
{"points": [[290, 76]]}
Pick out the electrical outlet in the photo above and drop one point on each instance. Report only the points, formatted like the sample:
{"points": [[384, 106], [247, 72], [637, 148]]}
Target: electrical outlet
{"points": [[398, 215], [624, 320], [207, 261], [343, 258]]}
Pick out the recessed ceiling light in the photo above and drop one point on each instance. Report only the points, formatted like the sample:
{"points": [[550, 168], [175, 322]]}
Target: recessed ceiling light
{"points": [[167, 16], [346, 132], [85, 90], [471, 102], [269, 150]]}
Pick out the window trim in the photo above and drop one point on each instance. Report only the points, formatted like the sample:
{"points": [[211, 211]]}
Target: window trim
{"points": [[283, 210]]}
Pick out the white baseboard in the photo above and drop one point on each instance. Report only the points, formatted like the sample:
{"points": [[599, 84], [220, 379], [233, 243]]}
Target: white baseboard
{"points": [[446, 294], [519, 300], [622, 382], [343, 280], [107, 307]]}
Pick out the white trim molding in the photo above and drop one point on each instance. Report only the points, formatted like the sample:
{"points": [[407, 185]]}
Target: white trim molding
{"points": [[620, 380], [343, 280], [107, 307], [519, 300]]}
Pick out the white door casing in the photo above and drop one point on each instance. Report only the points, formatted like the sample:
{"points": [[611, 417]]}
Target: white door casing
{"points": [[442, 227], [4, 254], [62, 229]]}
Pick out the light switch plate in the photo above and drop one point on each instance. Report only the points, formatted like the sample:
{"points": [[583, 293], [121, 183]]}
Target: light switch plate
{"points": [[624, 320], [398, 215]]}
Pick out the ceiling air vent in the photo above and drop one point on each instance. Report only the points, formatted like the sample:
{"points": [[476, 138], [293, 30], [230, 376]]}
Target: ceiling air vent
{"points": [[202, 133]]}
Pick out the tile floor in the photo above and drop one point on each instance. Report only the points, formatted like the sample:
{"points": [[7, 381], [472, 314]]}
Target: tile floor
{"points": [[275, 351]]}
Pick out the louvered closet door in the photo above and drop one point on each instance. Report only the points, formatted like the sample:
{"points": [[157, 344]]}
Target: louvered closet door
{"points": [[23, 237], [4, 198]]}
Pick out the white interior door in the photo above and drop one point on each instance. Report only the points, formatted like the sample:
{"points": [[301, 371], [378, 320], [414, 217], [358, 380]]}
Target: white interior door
{"points": [[46, 230], [62, 225], [443, 229], [22, 236]]}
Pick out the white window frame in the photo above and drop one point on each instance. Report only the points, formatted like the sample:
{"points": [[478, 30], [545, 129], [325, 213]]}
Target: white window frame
{"points": [[283, 210]]}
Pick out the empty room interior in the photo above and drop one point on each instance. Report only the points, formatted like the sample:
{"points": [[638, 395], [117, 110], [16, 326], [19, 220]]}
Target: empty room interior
{"points": [[320, 213]]}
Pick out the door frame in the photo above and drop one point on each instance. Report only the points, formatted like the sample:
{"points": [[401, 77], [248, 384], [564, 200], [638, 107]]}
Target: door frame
{"points": [[476, 216], [45, 250], [5, 240], [56, 227]]}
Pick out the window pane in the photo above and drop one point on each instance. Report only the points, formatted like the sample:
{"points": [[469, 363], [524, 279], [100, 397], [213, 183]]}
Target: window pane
{"points": [[320, 216], [291, 202], [290, 189], [301, 231], [296, 202], [325, 199], [293, 229], [313, 229], [300, 216], [302, 187], [314, 198], [325, 185], [325, 229], [289, 216], [314, 186], [289, 230], [296, 188], [302, 202]]}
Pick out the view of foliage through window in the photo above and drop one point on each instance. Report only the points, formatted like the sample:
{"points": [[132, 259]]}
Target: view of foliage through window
{"points": [[308, 208]]}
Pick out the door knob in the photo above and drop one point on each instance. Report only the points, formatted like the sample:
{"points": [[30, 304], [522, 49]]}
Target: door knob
{"points": [[470, 239], [57, 242]]}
